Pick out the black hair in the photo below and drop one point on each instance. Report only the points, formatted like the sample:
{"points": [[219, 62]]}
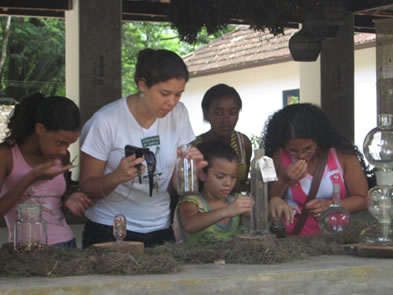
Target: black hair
{"points": [[159, 65], [54, 112], [305, 120], [216, 150], [218, 91]]}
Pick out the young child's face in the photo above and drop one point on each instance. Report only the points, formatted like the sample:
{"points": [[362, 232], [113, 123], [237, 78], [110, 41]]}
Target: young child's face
{"points": [[220, 178]]}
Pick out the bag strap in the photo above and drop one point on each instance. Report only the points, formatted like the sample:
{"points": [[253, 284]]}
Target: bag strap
{"points": [[316, 181]]}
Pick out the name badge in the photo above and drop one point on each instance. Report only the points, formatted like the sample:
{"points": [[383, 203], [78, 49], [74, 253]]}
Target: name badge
{"points": [[150, 141]]}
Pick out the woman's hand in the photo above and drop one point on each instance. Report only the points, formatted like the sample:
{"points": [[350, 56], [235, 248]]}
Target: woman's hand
{"points": [[240, 205], [49, 170], [279, 207], [127, 168], [77, 203], [296, 171], [195, 154], [317, 206]]}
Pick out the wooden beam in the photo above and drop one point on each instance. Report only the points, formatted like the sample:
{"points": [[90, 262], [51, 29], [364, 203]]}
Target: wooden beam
{"points": [[370, 4], [37, 5], [148, 9], [32, 13]]}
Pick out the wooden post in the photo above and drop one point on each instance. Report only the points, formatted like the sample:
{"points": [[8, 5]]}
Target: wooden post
{"points": [[384, 51], [337, 79], [93, 57]]}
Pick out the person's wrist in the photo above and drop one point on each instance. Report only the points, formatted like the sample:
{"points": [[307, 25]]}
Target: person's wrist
{"points": [[32, 177], [115, 178], [276, 202]]}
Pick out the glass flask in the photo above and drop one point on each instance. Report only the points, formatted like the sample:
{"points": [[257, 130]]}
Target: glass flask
{"points": [[378, 150], [30, 234], [187, 177], [379, 206], [335, 217], [378, 144]]}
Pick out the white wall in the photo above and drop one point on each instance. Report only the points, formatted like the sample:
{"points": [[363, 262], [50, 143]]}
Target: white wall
{"points": [[365, 94], [261, 91], [310, 82]]}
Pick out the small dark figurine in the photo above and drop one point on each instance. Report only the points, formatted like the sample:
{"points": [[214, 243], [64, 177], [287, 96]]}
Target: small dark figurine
{"points": [[278, 228], [150, 161]]}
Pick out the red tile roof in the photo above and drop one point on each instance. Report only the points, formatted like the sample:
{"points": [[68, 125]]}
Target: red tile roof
{"points": [[244, 48]]}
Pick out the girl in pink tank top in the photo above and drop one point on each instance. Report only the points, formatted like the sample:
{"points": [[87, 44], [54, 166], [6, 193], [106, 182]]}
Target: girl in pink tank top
{"points": [[34, 159], [295, 136]]}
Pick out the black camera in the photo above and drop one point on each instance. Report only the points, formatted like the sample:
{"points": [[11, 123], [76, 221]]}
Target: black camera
{"points": [[150, 159]]}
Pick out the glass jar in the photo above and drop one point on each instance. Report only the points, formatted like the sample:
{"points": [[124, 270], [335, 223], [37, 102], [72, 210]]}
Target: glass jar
{"points": [[187, 177], [30, 234]]}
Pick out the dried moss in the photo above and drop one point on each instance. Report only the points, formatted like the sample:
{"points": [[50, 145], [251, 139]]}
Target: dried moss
{"points": [[55, 262]]}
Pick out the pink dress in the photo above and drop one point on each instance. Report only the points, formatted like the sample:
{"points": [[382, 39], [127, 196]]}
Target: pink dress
{"points": [[298, 190], [48, 193]]}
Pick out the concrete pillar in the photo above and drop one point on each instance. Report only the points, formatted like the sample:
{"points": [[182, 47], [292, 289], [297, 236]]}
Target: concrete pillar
{"points": [[93, 56], [337, 78], [72, 70], [384, 53], [310, 82]]}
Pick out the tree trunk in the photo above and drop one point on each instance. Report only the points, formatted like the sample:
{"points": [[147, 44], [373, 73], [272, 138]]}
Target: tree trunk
{"points": [[6, 36]]}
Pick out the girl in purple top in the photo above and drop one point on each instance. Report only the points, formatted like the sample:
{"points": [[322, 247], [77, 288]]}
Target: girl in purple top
{"points": [[34, 159]]}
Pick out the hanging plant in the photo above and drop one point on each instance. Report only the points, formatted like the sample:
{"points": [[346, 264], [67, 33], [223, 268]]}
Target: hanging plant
{"points": [[190, 16], [186, 17]]}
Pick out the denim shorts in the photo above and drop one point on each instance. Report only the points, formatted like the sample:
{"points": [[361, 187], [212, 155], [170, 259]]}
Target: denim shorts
{"points": [[99, 233]]}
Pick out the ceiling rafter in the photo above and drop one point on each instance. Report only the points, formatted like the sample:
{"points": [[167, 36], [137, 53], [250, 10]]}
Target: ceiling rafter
{"points": [[365, 11], [43, 5]]}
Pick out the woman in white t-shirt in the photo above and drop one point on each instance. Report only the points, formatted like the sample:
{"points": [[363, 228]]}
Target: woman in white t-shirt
{"points": [[152, 118]]}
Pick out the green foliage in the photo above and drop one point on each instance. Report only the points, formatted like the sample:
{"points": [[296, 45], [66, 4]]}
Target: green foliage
{"points": [[256, 141], [292, 99], [35, 57], [140, 35], [36, 53], [8, 101]]}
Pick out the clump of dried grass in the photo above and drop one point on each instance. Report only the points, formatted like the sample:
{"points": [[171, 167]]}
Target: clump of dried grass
{"points": [[267, 250], [54, 262]]}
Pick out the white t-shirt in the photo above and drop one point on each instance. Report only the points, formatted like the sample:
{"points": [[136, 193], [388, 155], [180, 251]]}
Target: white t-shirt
{"points": [[104, 137]]}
